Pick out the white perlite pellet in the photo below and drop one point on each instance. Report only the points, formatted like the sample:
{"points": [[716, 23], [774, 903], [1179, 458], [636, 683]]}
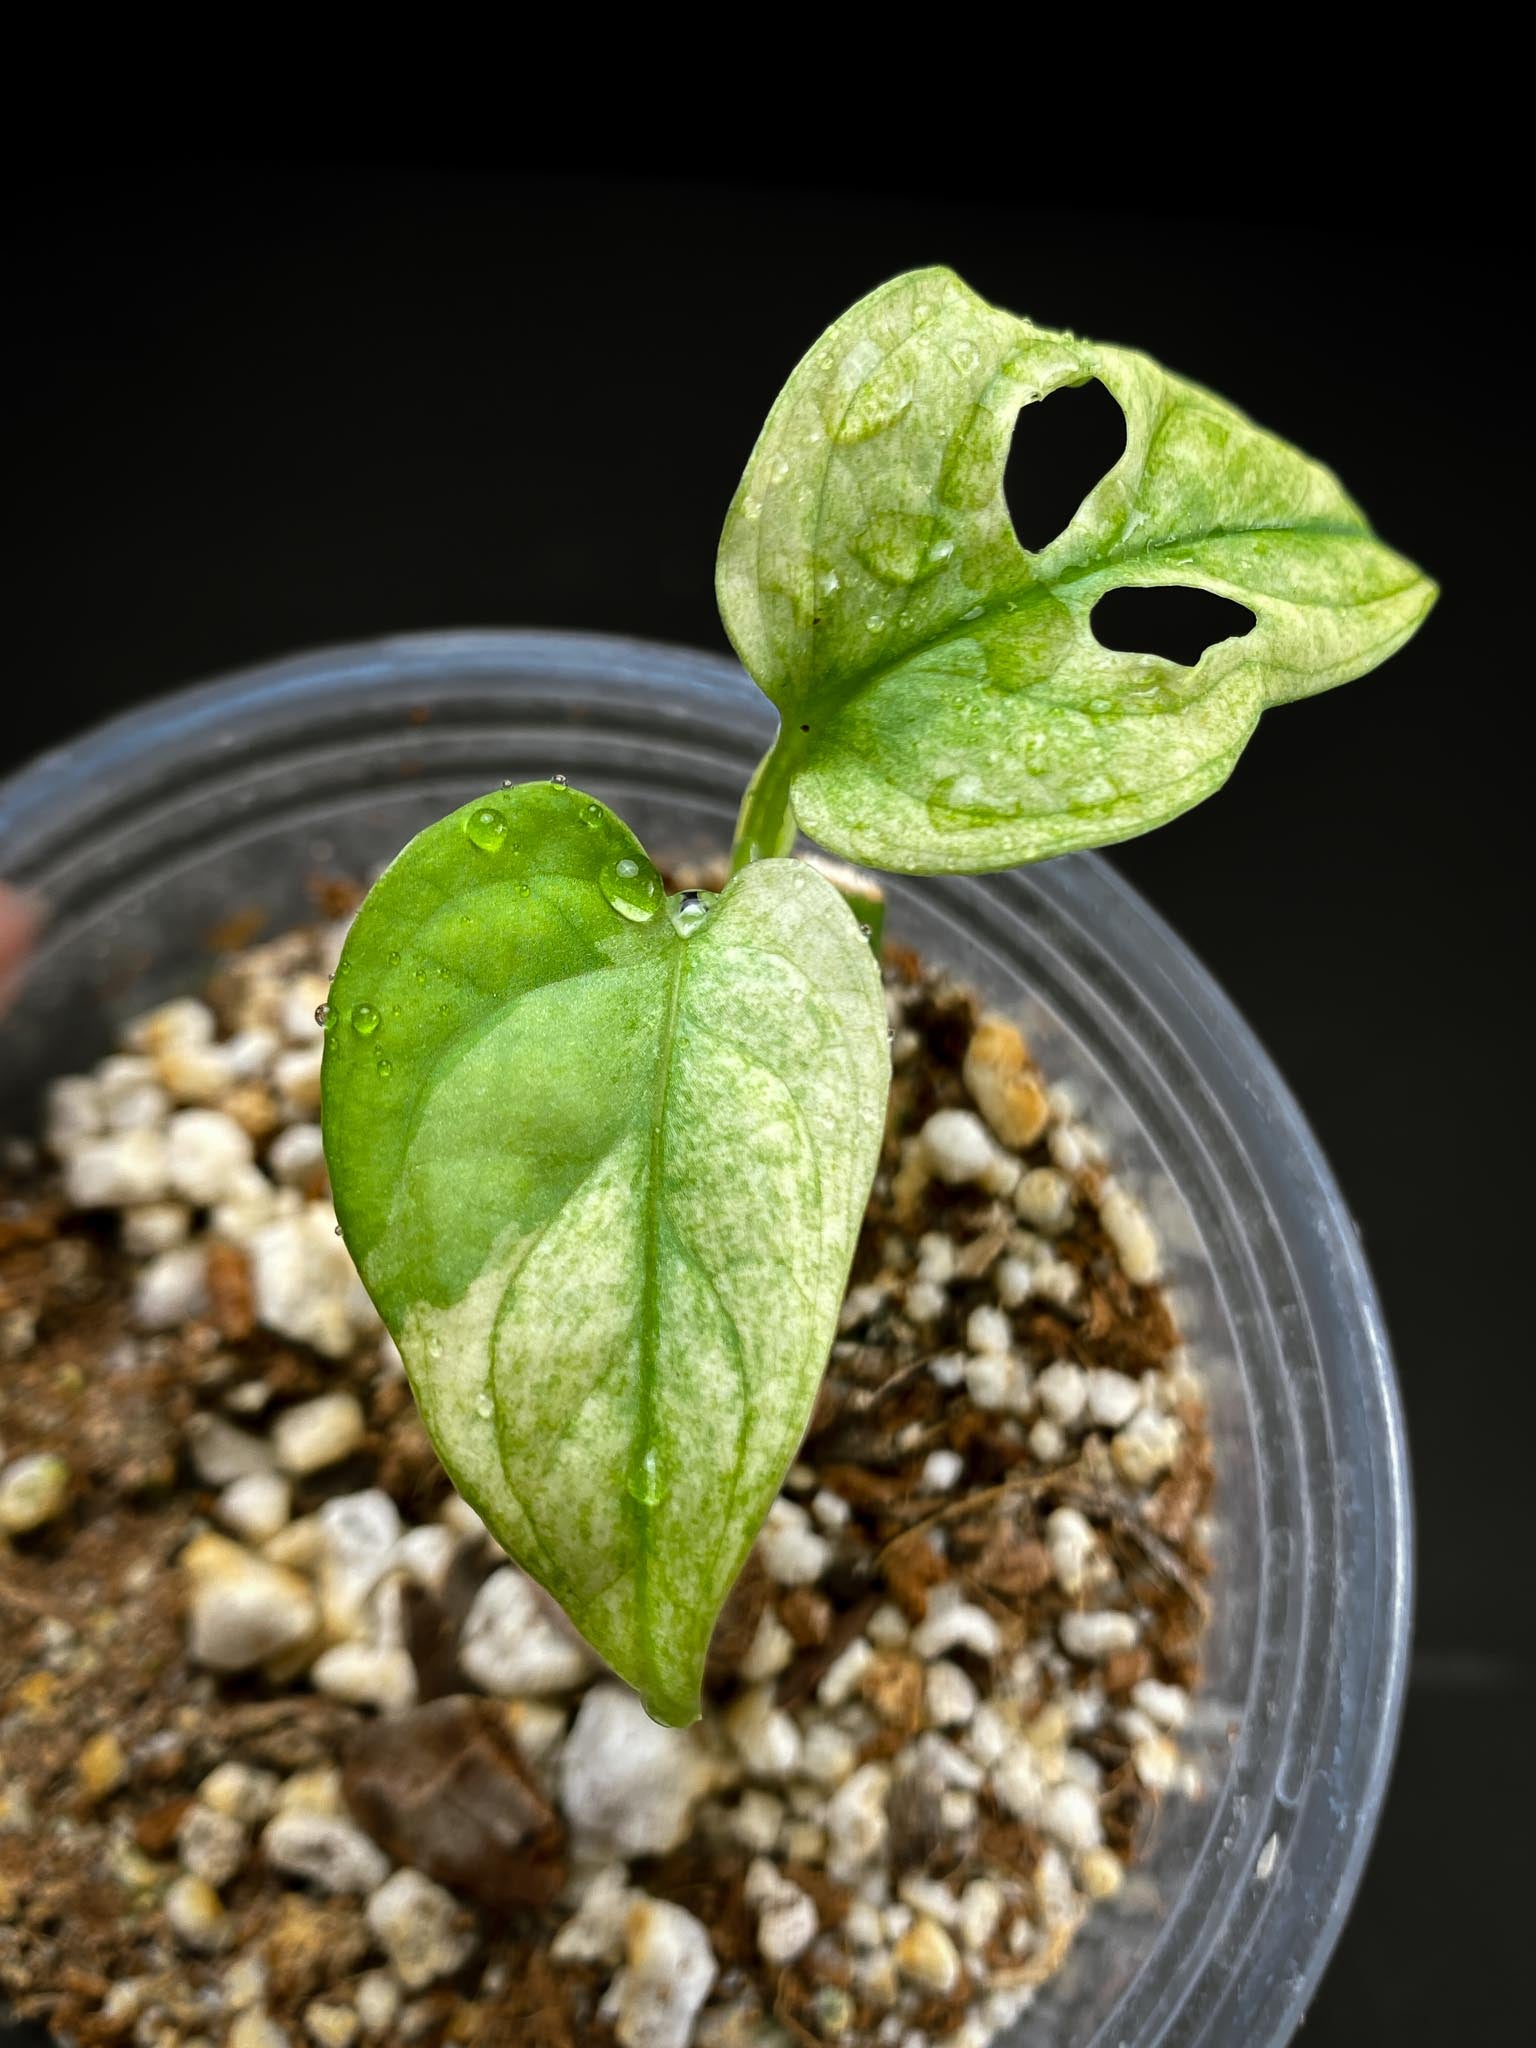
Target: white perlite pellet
{"points": [[1167, 1705], [952, 1623], [212, 1845], [33, 1490], [1095, 1636], [318, 1433], [172, 1289], [767, 1739], [1062, 1391], [790, 1548], [196, 1915], [1146, 1447], [205, 1151], [941, 1470], [1129, 1230], [326, 1851], [1043, 1200], [255, 1506], [841, 1678], [787, 1921], [1113, 1398], [514, 1642], [628, 1785], [421, 1928], [1070, 1540]]}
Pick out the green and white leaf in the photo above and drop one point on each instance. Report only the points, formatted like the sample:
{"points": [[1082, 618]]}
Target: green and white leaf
{"points": [[602, 1166], [960, 714]]}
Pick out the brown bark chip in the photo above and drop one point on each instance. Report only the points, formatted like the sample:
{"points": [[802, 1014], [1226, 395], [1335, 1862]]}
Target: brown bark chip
{"points": [[444, 1789]]}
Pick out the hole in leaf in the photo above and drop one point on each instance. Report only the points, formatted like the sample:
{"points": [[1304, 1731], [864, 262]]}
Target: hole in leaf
{"points": [[1168, 619], [1062, 446]]}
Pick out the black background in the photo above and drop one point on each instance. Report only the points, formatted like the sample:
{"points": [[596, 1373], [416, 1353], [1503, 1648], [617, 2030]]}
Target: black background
{"points": [[251, 408]]}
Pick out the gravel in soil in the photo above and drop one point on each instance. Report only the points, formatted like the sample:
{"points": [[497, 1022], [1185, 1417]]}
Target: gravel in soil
{"points": [[290, 1752]]}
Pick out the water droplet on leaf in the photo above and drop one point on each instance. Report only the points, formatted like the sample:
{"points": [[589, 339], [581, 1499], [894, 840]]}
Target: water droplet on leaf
{"points": [[690, 912], [485, 1407], [645, 1480], [875, 623], [383, 1067], [634, 892], [365, 1019], [558, 781], [592, 815], [325, 1017], [486, 829]]}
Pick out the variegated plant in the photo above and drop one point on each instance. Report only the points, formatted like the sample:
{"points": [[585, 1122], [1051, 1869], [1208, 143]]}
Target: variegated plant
{"points": [[600, 1154]]}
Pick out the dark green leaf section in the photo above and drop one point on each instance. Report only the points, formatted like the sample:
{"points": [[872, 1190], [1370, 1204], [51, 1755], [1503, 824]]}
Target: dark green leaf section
{"points": [[946, 706], [601, 1160]]}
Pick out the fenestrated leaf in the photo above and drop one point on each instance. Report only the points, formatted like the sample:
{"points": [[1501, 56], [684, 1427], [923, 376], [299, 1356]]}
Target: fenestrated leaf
{"points": [[945, 705], [601, 1164]]}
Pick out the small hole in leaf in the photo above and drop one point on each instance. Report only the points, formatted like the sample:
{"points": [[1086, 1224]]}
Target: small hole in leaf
{"points": [[1168, 619], [1063, 445]]}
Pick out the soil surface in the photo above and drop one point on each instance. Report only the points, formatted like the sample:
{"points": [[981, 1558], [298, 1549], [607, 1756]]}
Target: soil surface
{"points": [[944, 1699]]}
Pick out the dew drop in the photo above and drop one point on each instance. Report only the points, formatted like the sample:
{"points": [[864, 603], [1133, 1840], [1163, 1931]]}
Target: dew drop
{"points": [[486, 829], [365, 1019], [336, 1232], [485, 1407], [558, 781], [778, 469], [875, 623], [383, 1067], [506, 782], [394, 959], [645, 1480], [690, 913], [634, 892], [325, 1017], [592, 815], [965, 356], [866, 931]]}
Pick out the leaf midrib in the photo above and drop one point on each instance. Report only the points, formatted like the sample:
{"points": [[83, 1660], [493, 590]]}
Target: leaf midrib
{"points": [[650, 1303]]}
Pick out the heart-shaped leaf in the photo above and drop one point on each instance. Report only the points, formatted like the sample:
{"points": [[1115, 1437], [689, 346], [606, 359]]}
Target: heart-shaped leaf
{"points": [[601, 1160], [945, 704]]}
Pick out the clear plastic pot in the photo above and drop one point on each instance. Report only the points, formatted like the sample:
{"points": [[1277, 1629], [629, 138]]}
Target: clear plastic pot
{"points": [[153, 830]]}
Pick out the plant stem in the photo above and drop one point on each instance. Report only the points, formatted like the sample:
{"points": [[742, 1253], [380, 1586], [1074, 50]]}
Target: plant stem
{"points": [[765, 825]]}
